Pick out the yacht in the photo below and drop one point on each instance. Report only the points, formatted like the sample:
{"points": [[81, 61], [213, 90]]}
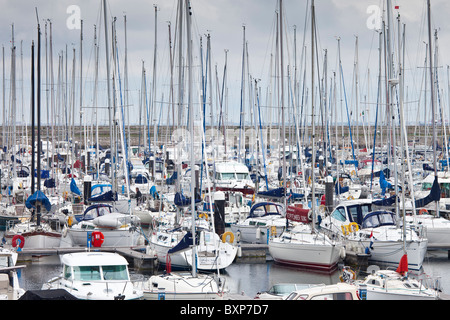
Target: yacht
{"points": [[95, 276], [377, 232]]}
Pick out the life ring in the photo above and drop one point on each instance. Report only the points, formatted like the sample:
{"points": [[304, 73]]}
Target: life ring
{"points": [[18, 240], [350, 198], [225, 236], [345, 230], [97, 239], [203, 215], [423, 210], [353, 227]]}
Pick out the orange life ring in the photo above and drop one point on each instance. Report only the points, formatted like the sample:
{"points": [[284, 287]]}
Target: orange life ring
{"points": [[19, 243], [97, 239], [423, 210]]}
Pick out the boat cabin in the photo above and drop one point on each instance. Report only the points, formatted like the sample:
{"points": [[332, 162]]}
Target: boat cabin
{"points": [[95, 266], [362, 213]]}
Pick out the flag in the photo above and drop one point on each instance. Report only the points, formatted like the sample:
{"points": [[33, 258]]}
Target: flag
{"points": [[403, 265]]}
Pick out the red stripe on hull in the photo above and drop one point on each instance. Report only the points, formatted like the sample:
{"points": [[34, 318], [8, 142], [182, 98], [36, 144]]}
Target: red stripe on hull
{"points": [[307, 265]]}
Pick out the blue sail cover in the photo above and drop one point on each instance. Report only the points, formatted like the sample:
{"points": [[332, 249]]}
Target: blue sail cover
{"points": [[434, 195], [105, 197], [385, 202], [274, 193], [74, 187], [50, 183], [339, 189], [384, 184], [184, 243], [182, 201], [38, 196]]}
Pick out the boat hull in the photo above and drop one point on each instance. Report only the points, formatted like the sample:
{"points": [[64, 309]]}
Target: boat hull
{"points": [[381, 295], [391, 252], [38, 239], [112, 238], [311, 256], [252, 234], [181, 287]]}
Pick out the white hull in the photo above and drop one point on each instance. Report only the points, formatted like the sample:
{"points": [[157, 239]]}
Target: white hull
{"points": [[211, 255], [380, 295], [112, 238], [36, 238], [181, 287], [313, 256], [391, 252], [252, 234]]}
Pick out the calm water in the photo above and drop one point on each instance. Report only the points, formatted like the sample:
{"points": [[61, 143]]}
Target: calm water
{"points": [[246, 277]]}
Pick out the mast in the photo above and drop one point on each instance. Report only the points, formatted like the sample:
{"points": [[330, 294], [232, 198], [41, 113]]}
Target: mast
{"points": [[191, 128], [283, 153], [33, 101], [109, 89], [313, 196], [430, 51]]}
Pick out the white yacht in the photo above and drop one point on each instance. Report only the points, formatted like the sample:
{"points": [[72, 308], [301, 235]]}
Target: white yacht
{"points": [[375, 232], [391, 285], [183, 286], [95, 276]]}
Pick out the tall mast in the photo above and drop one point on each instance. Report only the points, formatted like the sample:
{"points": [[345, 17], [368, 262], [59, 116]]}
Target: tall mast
{"points": [[108, 84], [430, 58], [313, 196], [191, 128], [283, 133]]}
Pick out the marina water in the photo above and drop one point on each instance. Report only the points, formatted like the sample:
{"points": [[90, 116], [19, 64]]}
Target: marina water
{"points": [[244, 277]]}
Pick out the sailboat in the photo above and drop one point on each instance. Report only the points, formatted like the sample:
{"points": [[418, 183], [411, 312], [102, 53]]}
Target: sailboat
{"points": [[35, 233], [197, 253], [303, 245]]}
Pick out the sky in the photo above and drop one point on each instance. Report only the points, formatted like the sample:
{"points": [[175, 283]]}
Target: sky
{"points": [[337, 21]]}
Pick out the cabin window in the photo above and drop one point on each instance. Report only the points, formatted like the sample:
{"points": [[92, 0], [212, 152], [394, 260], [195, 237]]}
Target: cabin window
{"points": [[375, 282], [4, 261], [88, 273], [67, 272], [228, 176], [115, 272], [334, 296], [103, 210], [426, 186], [91, 214], [354, 213], [445, 190], [242, 176], [365, 209], [294, 296], [339, 214]]}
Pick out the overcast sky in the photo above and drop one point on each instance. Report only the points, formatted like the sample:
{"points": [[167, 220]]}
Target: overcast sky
{"points": [[224, 21]]}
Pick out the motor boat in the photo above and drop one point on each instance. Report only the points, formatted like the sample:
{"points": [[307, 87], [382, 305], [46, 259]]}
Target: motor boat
{"points": [[9, 282], [391, 285], [339, 291], [183, 286], [95, 276]]}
